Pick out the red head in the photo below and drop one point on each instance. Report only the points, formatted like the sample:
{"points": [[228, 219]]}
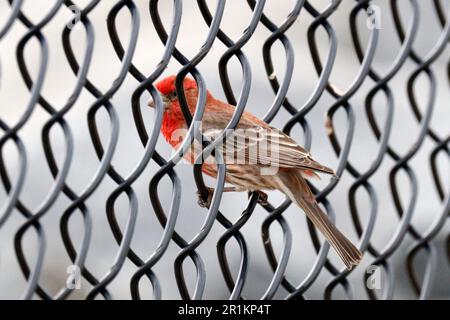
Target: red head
{"points": [[167, 85], [168, 92], [173, 117]]}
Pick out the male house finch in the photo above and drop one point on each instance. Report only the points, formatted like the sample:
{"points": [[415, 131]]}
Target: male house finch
{"points": [[294, 163]]}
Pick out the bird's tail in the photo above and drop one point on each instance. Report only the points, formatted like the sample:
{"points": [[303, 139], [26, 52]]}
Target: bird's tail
{"points": [[296, 188]]}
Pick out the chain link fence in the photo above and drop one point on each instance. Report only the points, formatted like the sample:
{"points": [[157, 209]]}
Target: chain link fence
{"points": [[95, 206]]}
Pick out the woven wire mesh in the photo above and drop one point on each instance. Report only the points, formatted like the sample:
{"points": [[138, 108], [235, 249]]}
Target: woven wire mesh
{"points": [[89, 185]]}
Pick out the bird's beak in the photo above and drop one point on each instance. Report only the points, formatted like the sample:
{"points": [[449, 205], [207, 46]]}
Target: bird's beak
{"points": [[166, 100]]}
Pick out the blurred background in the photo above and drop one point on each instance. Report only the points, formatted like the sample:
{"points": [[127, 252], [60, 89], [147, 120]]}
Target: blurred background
{"points": [[105, 67]]}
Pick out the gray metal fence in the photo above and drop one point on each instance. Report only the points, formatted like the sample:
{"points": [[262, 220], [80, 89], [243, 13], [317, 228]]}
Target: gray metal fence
{"points": [[382, 197]]}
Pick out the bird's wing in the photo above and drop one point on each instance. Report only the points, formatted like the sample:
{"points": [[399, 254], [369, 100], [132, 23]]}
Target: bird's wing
{"points": [[266, 146]]}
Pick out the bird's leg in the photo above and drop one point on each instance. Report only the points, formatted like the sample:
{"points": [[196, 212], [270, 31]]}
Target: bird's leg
{"points": [[205, 203], [262, 197]]}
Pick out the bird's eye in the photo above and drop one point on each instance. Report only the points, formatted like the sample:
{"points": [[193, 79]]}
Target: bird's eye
{"points": [[174, 94]]}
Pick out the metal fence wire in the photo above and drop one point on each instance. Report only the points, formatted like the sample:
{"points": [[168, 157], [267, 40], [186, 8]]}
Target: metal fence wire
{"points": [[102, 209]]}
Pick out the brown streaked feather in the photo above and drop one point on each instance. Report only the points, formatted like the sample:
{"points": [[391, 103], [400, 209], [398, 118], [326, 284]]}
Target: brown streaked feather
{"points": [[296, 188], [217, 116], [265, 145]]}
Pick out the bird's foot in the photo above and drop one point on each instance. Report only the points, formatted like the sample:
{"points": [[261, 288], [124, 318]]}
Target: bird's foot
{"points": [[262, 197], [205, 202]]}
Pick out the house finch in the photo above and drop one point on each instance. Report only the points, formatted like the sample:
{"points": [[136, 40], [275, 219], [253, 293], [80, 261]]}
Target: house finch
{"points": [[261, 146]]}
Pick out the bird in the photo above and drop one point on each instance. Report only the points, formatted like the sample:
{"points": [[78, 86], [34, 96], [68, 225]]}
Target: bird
{"points": [[251, 140]]}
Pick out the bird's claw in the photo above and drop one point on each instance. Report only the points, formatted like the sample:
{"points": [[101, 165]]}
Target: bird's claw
{"points": [[262, 197], [205, 202]]}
